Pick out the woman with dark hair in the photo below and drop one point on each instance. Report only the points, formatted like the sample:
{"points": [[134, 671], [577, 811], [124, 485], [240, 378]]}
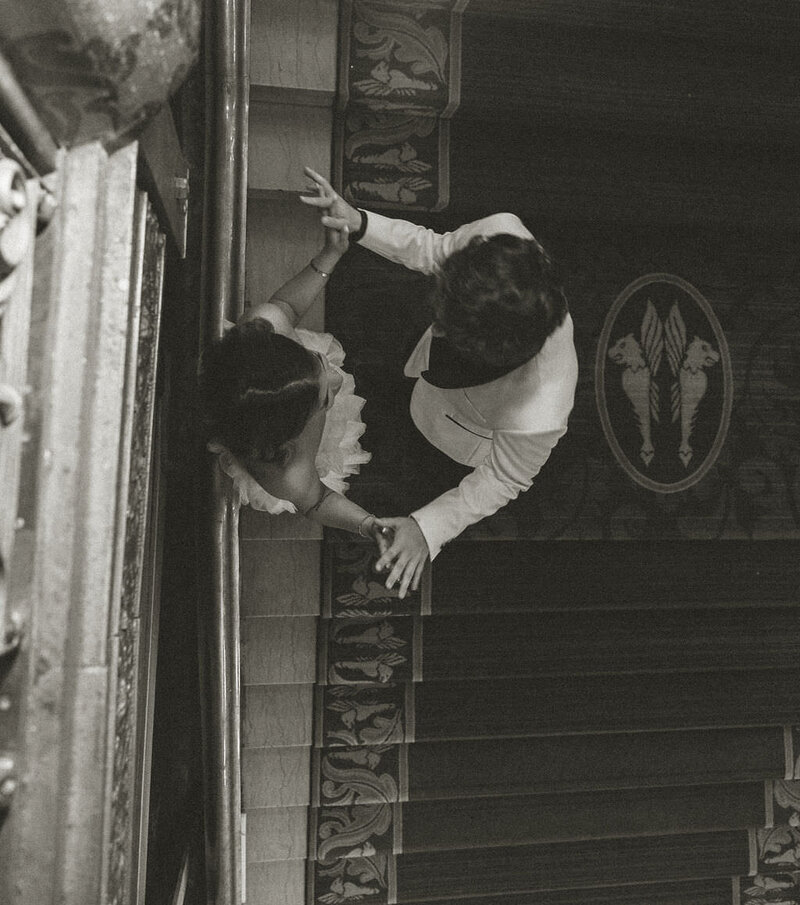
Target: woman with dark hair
{"points": [[280, 412]]}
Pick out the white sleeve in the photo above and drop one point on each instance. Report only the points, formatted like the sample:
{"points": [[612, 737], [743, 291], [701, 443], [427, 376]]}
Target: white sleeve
{"points": [[513, 462], [422, 249]]}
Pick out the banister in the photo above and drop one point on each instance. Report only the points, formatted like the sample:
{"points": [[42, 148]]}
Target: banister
{"points": [[226, 73], [24, 126]]}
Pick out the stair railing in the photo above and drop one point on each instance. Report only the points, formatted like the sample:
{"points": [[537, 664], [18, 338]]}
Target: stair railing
{"points": [[226, 74]]}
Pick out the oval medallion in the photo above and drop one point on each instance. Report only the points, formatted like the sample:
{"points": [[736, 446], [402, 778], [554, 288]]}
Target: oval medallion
{"points": [[663, 382]]}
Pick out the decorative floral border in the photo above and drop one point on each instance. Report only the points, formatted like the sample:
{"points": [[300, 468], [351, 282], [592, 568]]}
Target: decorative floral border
{"points": [[777, 878], [399, 83], [369, 649]]}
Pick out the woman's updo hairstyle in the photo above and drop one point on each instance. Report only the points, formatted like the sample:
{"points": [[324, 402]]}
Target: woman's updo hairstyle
{"points": [[498, 299], [259, 389]]}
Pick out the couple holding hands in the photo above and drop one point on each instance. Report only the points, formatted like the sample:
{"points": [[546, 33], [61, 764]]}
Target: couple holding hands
{"points": [[495, 382]]}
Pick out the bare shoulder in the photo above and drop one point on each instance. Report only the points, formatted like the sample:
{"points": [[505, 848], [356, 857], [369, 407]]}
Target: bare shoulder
{"points": [[299, 483], [276, 314]]}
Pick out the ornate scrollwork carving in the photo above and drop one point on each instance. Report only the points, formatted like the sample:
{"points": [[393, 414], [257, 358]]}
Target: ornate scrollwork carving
{"points": [[14, 242], [14, 231]]}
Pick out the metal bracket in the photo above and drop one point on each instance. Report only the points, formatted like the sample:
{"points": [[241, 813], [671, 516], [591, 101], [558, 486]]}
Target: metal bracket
{"points": [[10, 405], [8, 781], [12, 639], [10, 645]]}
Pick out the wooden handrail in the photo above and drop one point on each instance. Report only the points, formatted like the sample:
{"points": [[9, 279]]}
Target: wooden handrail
{"points": [[29, 134], [224, 219]]}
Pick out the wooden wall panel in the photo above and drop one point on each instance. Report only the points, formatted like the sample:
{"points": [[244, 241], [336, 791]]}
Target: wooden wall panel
{"points": [[283, 139], [275, 777], [278, 650], [277, 716], [282, 237], [280, 578], [276, 882], [293, 47], [276, 834]]}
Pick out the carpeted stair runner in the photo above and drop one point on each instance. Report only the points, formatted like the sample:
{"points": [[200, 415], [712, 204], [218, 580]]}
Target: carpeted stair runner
{"points": [[557, 719], [570, 763], [593, 575], [619, 754], [503, 645], [686, 892]]}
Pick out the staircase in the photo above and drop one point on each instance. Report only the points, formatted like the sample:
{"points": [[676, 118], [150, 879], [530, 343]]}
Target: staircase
{"points": [[545, 723], [570, 735]]}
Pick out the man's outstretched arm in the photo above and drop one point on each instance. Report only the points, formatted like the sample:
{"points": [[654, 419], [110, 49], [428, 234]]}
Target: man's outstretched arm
{"points": [[515, 459], [422, 249]]}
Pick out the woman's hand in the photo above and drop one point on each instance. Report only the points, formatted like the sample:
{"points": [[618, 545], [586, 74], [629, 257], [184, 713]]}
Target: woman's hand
{"points": [[337, 241], [406, 556], [336, 212], [379, 533]]}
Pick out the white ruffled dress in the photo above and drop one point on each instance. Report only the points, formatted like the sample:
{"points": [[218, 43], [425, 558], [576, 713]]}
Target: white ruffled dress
{"points": [[340, 454]]}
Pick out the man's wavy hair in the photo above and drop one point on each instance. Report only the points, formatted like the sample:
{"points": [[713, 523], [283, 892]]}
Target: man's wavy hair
{"points": [[498, 299], [257, 390]]}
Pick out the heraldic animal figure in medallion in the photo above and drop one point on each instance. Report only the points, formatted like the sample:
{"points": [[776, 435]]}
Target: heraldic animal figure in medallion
{"points": [[641, 362], [688, 364]]}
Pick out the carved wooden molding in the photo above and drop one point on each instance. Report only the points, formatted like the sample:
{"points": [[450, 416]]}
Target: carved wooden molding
{"points": [[128, 767], [17, 216], [99, 69]]}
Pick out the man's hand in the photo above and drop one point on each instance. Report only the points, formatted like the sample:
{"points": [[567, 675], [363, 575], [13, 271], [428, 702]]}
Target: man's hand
{"points": [[336, 212], [381, 534], [406, 555]]}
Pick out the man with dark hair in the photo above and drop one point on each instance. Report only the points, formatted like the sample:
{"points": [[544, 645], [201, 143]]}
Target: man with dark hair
{"points": [[496, 371]]}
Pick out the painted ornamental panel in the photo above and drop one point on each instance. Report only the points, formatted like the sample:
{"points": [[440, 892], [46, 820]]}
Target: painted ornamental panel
{"points": [[399, 85], [664, 383]]}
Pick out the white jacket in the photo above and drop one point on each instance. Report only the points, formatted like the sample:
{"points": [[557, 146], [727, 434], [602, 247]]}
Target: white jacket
{"points": [[505, 428]]}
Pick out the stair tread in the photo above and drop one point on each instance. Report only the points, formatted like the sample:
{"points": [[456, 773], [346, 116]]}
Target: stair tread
{"points": [[584, 575], [424, 876], [528, 644], [578, 704], [515, 820]]}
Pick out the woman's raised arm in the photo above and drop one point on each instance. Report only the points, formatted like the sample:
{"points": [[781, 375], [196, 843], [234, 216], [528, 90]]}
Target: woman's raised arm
{"points": [[297, 295]]}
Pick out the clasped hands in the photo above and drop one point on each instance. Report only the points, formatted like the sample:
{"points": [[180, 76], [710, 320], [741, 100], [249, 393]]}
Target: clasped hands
{"points": [[403, 552]]}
